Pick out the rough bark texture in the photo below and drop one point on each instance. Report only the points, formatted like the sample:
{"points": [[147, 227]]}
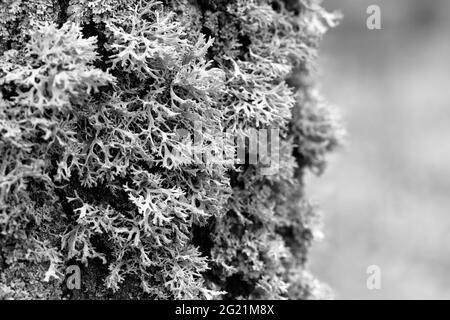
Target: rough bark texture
{"points": [[93, 171]]}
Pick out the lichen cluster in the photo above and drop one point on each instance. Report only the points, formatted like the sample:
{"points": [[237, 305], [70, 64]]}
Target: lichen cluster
{"points": [[93, 97]]}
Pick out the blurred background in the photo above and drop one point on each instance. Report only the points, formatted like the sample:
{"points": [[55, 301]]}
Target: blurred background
{"points": [[386, 196]]}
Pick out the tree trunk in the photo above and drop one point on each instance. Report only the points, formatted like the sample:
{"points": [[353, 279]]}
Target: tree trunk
{"points": [[160, 147]]}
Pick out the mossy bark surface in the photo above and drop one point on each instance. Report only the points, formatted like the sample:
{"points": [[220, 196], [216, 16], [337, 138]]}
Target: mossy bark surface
{"points": [[93, 172]]}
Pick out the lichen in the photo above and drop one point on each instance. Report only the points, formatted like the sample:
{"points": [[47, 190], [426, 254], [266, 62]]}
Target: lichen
{"points": [[94, 95]]}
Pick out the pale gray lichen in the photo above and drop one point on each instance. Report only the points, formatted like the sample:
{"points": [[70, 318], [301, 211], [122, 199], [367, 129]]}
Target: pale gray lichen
{"points": [[92, 172]]}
